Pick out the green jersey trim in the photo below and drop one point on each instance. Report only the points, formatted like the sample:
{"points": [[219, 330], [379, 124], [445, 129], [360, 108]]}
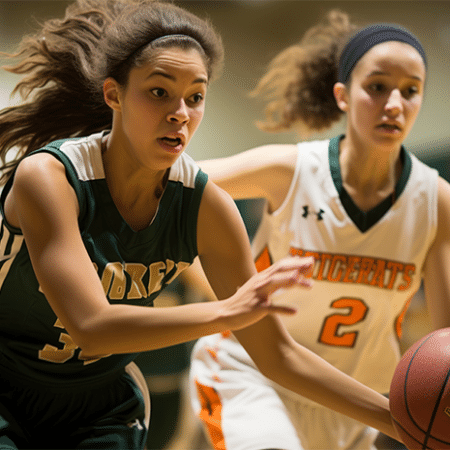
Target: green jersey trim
{"points": [[365, 219]]}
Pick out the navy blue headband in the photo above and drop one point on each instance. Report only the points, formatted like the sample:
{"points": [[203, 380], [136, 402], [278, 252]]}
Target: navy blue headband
{"points": [[367, 38]]}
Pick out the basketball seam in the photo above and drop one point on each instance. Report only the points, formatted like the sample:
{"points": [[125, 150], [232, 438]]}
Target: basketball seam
{"points": [[410, 435], [405, 395], [427, 434]]}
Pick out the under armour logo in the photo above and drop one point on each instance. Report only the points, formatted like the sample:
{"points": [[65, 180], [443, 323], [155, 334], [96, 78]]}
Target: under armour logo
{"points": [[136, 423], [307, 212]]}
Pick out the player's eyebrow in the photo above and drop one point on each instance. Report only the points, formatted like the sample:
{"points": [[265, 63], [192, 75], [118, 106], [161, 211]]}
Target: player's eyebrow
{"points": [[380, 72], [172, 78]]}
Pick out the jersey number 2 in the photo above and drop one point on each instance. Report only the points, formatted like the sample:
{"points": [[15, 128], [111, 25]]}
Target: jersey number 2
{"points": [[332, 334]]}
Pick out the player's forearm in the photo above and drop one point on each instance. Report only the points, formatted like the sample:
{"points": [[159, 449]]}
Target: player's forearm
{"points": [[310, 376], [129, 329]]}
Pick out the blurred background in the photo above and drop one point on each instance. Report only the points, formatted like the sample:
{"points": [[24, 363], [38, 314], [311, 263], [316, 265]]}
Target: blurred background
{"points": [[253, 32]]}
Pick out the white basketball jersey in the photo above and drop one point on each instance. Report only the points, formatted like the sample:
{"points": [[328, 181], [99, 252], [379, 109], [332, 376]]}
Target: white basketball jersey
{"points": [[368, 265]]}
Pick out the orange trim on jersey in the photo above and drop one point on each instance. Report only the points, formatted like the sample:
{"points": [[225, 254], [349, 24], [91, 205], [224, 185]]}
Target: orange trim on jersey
{"points": [[399, 321], [263, 261], [211, 414], [211, 352]]}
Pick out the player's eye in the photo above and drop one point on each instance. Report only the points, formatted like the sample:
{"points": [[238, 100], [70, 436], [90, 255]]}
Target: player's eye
{"points": [[377, 87], [411, 91], [196, 98], [158, 92]]}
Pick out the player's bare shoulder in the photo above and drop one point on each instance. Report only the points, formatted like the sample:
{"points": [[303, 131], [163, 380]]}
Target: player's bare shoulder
{"points": [[443, 189], [443, 200], [40, 177]]}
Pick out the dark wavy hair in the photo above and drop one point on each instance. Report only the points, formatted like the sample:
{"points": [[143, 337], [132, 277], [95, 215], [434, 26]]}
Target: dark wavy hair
{"points": [[298, 84], [65, 63]]}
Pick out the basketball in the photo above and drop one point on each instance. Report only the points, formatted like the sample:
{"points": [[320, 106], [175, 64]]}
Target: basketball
{"points": [[419, 394]]}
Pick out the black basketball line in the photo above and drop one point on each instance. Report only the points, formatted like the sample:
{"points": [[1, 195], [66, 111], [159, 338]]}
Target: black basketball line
{"points": [[427, 433], [406, 382], [430, 425], [410, 435]]}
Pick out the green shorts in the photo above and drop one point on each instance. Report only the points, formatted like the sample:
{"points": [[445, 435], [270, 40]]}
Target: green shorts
{"points": [[108, 414]]}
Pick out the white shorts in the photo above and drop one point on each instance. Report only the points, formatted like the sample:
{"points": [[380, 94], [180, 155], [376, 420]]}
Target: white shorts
{"points": [[243, 410]]}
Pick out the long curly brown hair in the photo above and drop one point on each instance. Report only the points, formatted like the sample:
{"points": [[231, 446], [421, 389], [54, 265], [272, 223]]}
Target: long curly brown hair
{"points": [[64, 64], [298, 84]]}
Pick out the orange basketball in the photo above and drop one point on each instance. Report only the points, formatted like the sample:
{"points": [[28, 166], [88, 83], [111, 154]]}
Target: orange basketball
{"points": [[419, 395]]}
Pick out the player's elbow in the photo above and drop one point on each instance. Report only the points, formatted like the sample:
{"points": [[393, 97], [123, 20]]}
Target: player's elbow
{"points": [[270, 365], [282, 364], [86, 341], [87, 335]]}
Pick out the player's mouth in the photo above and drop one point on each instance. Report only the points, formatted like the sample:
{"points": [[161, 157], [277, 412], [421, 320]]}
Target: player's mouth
{"points": [[173, 143], [390, 127]]}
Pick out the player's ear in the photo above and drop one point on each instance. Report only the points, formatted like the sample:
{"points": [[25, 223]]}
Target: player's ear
{"points": [[112, 94], [341, 96]]}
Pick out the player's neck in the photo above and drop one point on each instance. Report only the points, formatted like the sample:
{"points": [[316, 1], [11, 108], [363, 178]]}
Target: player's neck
{"points": [[368, 176]]}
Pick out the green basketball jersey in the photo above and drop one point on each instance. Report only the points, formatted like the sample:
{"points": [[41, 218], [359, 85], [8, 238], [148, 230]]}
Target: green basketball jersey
{"points": [[133, 266]]}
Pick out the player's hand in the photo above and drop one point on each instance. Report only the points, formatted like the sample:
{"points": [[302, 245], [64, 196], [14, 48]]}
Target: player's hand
{"points": [[253, 300]]}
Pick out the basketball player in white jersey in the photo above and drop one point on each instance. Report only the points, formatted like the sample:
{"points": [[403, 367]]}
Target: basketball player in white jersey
{"points": [[374, 217]]}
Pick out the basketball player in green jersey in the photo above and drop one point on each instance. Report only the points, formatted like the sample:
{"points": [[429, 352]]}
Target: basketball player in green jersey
{"points": [[102, 209]]}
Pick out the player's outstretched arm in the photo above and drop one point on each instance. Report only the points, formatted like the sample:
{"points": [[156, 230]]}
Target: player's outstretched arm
{"points": [[437, 265], [273, 350], [293, 366], [261, 172], [44, 206]]}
